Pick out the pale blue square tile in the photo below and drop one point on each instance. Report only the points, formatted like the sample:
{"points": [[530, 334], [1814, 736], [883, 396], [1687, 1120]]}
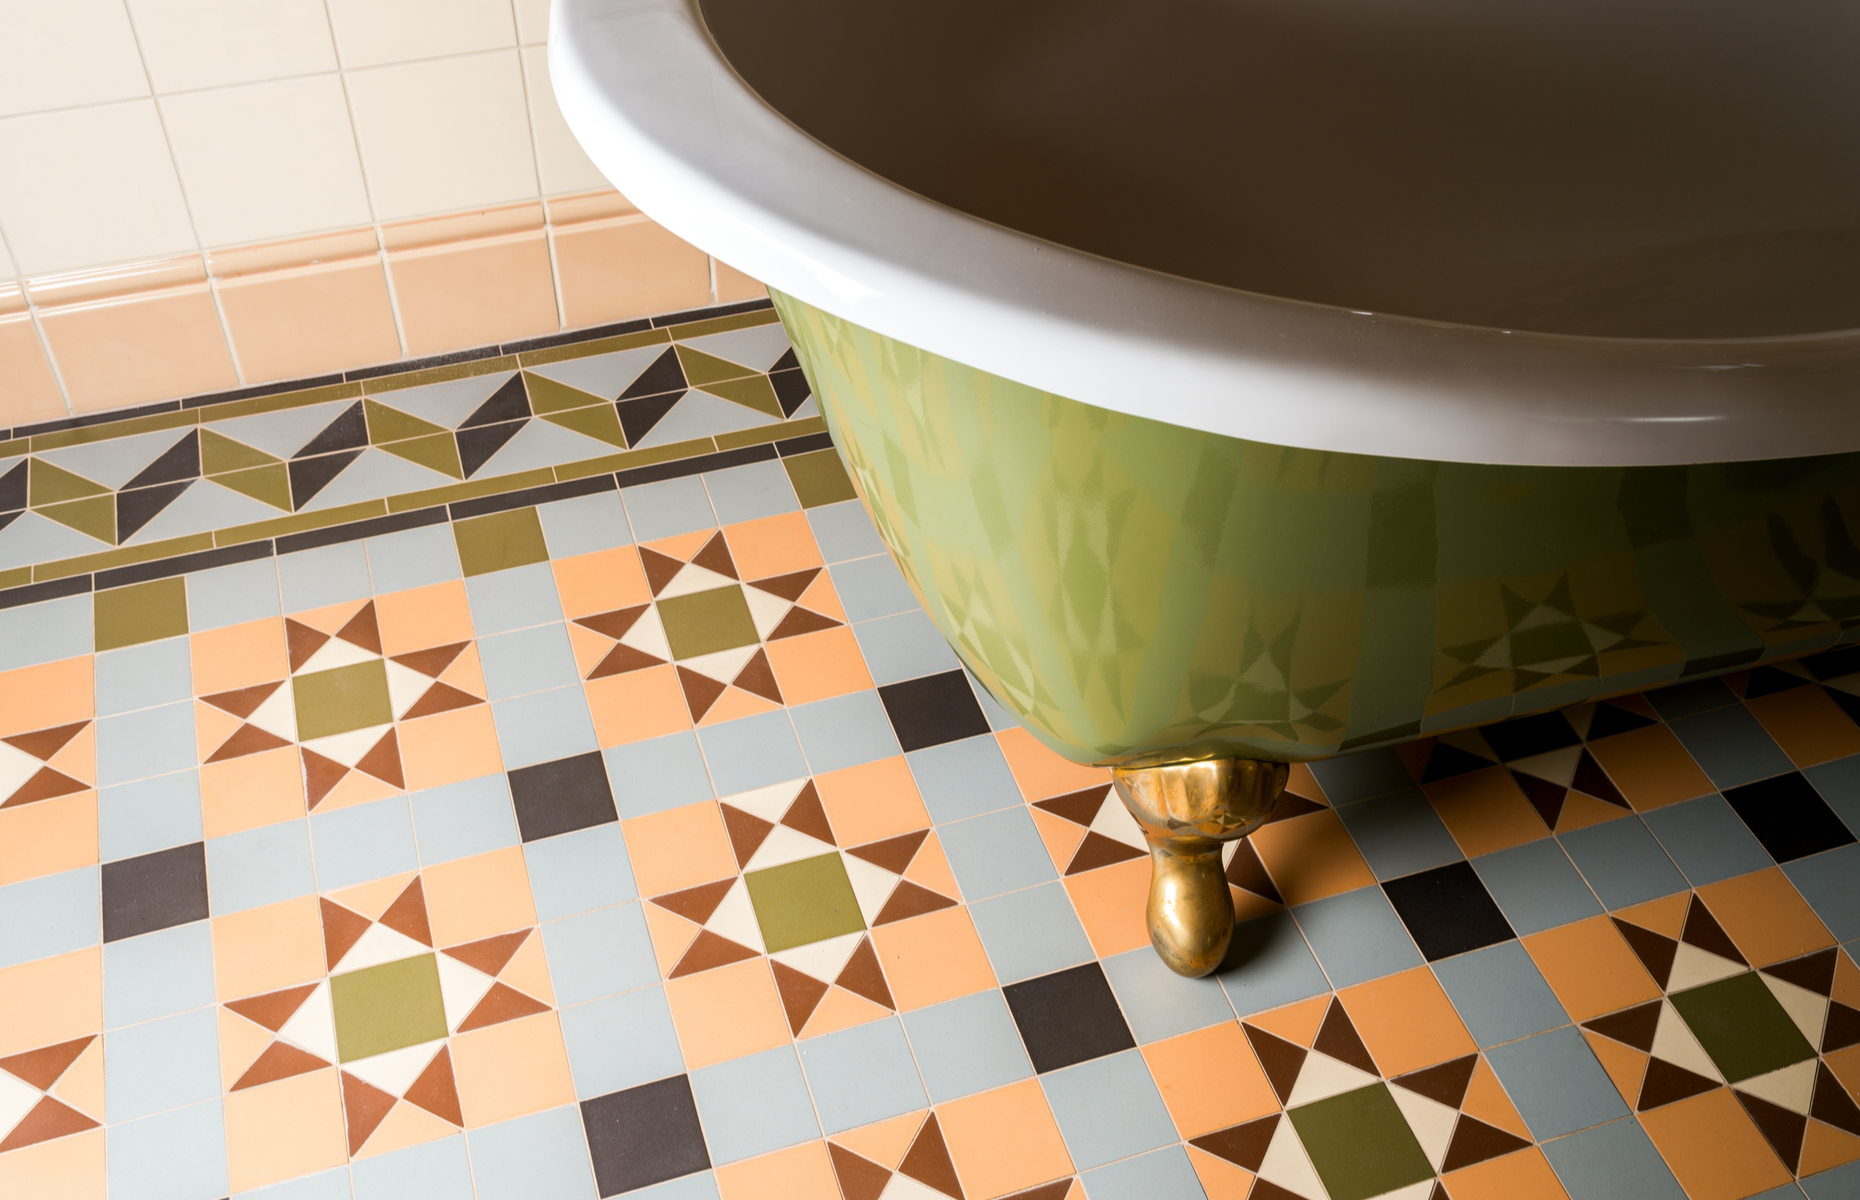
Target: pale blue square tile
{"points": [[45, 632], [463, 819], [967, 1046], [621, 1042], [844, 731], [260, 866], [1839, 784], [246, 591], [179, 1155], [151, 814], [745, 493], [1500, 994], [997, 853], [528, 660], [964, 779], [1622, 862], [515, 599], [844, 531], [1157, 1002], [1108, 1109], [1399, 834], [543, 1156], [668, 507], [354, 845], [162, 1064], [904, 646], [1730, 746], [657, 774], [1031, 932], [752, 752], [157, 975], [1348, 778], [53, 914], [325, 575], [584, 524], [576, 872], [599, 953], [1826, 881], [1707, 840], [1842, 1183], [1357, 937], [872, 587], [413, 558], [1269, 964], [699, 1186], [753, 1105], [153, 741], [862, 1074], [1556, 1083], [544, 726], [144, 676], [332, 1184], [438, 1170], [1164, 1174], [1616, 1161], [1535, 886]]}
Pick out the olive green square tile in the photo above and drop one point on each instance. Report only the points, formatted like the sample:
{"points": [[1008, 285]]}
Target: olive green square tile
{"points": [[338, 700], [819, 478], [387, 1007], [1360, 1143], [706, 622], [500, 541], [1742, 1027], [141, 612], [803, 902]]}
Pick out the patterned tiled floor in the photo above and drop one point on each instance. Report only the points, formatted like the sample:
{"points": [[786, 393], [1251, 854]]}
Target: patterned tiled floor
{"points": [[645, 839]]}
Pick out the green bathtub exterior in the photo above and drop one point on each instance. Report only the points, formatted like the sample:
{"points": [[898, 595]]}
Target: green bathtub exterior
{"points": [[1140, 591]]}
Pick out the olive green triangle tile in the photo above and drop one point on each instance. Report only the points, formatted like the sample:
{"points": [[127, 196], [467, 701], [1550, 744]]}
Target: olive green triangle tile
{"points": [[220, 454], [702, 369], [818, 478], [391, 425], [547, 396], [271, 484], [51, 485], [754, 392], [599, 422], [500, 541], [95, 516], [141, 612], [436, 450]]}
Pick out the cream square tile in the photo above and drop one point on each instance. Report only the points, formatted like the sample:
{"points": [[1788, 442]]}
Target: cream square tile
{"points": [[192, 44], [66, 53], [90, 186], [444, 135], [565, 166], [373, 32], [532, 21], [267, 159]]}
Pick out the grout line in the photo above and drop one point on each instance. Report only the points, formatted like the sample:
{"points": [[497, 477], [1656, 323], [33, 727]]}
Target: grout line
{"points": [[529, 118], [38, 327]]}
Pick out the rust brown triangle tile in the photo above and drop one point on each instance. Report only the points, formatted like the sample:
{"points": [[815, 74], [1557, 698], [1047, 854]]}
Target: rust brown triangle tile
{"points": [[862, 976], [1842, 1028], [1666, 1082], [1292, 805], [491, 954], [44, 743], [701, 691], [623, 659], [1782, 1129], [1474, 1142], [660, 568], [383, 762], [273, 1009], [321, 775], [1243, 1145], [436, 1090], [860, 1178], [614, 624], [362, 629], [1702, 930], [1631, 1026], [1080, 808], [790, 586], [1591, 780], [1545, 796], [247, 739], [1281, 1059], [758, 678], [807, 815], [341, 930], [441, 697], [715, 556], [697, 903], [800, 994], [799, 621], [281, 1060], [1097, 851], [42, 1067], [366, 1106], [928, 1161], [708, 951], [1655, 950], [1445, 1083], [893, 854], [1812, 971], [1246, 871], [301, 642], [747, 833], [502, 1003], [433, 662], [1055, 1190], [45, 784], [48, 1119], [1338, 1038], [909, 900], [1832, 1104], [407, 915]]}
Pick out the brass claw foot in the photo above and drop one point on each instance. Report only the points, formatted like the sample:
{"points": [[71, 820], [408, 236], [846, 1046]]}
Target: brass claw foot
{"points": [[1187, 810]]}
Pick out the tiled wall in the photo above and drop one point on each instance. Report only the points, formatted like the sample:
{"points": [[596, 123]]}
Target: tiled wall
{"points": [[199, 195]]}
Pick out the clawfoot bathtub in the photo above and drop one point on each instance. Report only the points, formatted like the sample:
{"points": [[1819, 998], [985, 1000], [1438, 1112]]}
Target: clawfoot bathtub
{"points": [[1240, 382]]}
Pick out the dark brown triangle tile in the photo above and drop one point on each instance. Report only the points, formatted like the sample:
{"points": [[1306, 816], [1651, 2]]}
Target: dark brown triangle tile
{"points": [[502, 1003], [621, 660], [1782, 1129], [243, 702], [247, 739], [1702, 930], [1246, 871], [441, 697], [1265, 1189], [807, 815], [701, 691], [432, 662], [301, 642], [1832, 1103], [42, 1067], [1445, 1083], [660, 569], [1474, 1142], [281, 1060], [893, 854], [862, 976], [408, 914], [696, 904], [44, 743], [341, 930], [909, 900], [1080, 808], [616, 624], [1591, 780], [1546, 797], [1666, 1082], [747, 832], [1243, 1145], [790, 586], [800, 994], [1842, 1029], [1655, 950], [799, 621], [1631, 1026], [1812, 971], [860, 1178], [1338, 1038], [383, 762], [1293, 805], [273, 1009], [436, 1090], [758, 678], [44, 785], [362, 629], [1439, 1192], [46, 1120], [321, 775], [710, 950], [366, 1106], [715, 556], [928, 1161], [1281, 1059], [1097, 851]]}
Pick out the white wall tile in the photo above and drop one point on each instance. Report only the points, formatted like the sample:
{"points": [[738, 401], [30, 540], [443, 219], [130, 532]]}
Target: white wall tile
{"points": [[267, 159], [7, 269], [60, 53], [449, 134], [532, 21], [90, 186], [192, 44], [373, 32], [565, 166]]}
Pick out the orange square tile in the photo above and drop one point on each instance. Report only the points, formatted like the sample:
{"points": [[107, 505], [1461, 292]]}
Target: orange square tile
{"points": [[600, 582], [420, 618], [48, 836], [1220, 1179], [733, 285], [1061, 837], [253, 790], [638, 705], [54, 693], [66, 1168], [1110, 903], [818, 666], [285, 1129], [51, 1000], [1210, 1079], [1299, 781], [876, 800], [1808, 725], [726, 1013], [449, 747], [801, 1172], [1406, 1021], [1485, 811], [1041, 772], [1713, 1147], [467, 293], [1311, 857], [1524, 1175], [511, 1069], [28, 390], [769, 546], [1004, 1140], [241, 1043], [1650, 767], [472, 898], [239, 656], [1765, 916], [81, 1086], [150, 345], [932, 958], [678, 848], [264, 949], [288, 324], [626, 267], [821, 598], [1590, 968]]}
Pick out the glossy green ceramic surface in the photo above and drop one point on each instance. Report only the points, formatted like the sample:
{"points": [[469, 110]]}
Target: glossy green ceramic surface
{"points": [[1132, 588]]}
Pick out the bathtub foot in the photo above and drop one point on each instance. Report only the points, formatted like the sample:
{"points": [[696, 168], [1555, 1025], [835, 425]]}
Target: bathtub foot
{"points": [[1187, 810]]}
